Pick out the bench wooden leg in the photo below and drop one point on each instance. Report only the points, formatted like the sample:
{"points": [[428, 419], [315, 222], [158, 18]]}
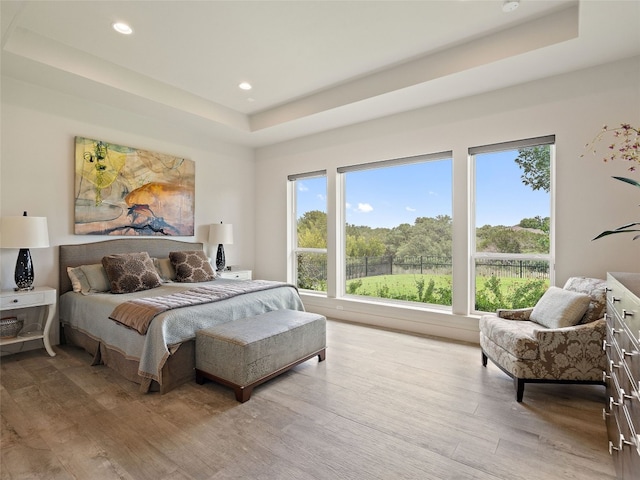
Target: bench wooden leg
{"points": [[243, 393]]}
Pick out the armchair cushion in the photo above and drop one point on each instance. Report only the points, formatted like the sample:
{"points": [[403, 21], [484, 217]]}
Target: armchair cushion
{"points": [[559, 308], [596, 289], [514, 313], [516, 338]]}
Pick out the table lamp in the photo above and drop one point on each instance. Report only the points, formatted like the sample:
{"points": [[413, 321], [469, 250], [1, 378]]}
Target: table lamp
{"points": [[24, 233], [220, 233]]}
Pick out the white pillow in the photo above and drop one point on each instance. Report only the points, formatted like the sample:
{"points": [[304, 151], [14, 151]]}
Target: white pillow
{"points": [[88, 279], [165, 269], [78, 279], [560, 308]]}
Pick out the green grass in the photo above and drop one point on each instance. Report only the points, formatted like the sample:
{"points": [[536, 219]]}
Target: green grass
{"points": [[405, 287], [400, 284]]}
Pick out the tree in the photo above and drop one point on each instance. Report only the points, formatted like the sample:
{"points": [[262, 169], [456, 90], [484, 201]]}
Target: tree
{"points": [[312, 230], [535, 163], [358, 246], [536, 222]]}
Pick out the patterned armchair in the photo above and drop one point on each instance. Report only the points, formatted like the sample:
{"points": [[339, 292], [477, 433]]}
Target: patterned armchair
{"points": [[559, 340]]}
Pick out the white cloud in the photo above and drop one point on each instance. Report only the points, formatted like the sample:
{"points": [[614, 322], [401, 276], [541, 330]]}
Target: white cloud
{"points": [[347, 205], [364, 208], [409, 209], [435, 194], [302, 187], [321, 197]]}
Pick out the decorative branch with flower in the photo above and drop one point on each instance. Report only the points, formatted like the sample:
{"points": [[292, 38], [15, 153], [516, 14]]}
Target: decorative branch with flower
{"points": [[625, 145]]}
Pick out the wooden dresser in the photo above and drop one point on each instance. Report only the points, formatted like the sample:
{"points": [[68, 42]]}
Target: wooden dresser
{"points": [[622, 412]]}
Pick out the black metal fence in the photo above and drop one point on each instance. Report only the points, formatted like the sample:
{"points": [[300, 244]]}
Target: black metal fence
{"points": [[313, 267], [359, 267]]}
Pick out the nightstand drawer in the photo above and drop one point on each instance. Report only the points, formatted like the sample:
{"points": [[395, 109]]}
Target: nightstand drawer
{"points": [[21, 300], [235, 274]]}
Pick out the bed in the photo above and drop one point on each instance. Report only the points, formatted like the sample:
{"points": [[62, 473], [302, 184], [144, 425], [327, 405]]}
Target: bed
{"points": [[164, 357]]}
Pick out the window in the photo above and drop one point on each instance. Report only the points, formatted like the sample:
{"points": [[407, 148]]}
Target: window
{"points": [[398, 229], [512, 251], [310, 232]]}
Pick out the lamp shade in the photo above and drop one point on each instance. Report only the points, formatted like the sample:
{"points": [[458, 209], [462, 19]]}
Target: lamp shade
{"points": [[221, 233], [24, 232]]}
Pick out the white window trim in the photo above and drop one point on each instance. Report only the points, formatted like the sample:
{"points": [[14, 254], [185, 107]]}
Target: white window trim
{"points": [[292, 236], [473, 255], [339, 289]]}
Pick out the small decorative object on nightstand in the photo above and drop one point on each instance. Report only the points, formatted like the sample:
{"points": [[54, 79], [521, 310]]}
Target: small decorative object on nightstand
{"points": [[235, 274], [220, 233], [24, 233], [37, 297]]}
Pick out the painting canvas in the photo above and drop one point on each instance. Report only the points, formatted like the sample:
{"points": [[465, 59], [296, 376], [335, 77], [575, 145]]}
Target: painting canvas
{"points": [[127, 191]]}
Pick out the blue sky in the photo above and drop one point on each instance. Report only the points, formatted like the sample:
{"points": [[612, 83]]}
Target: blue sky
{"points": [[391, 196]]}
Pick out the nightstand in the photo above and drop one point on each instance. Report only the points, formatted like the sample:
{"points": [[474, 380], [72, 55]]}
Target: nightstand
{"points": [[38, 297], [235, 274]]}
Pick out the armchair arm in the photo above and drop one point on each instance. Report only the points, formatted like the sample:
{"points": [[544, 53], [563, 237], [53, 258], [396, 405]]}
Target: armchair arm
{"points": [[573, 352], [582, 332], [514, 314]]}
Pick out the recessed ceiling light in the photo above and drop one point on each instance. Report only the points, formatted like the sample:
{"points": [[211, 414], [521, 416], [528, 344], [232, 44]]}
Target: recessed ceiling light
{"points": [[245, 86], [122, 28], [510, 5]]}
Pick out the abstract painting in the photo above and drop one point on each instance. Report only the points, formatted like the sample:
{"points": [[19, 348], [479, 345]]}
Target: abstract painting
{"points": [[127, 191]]}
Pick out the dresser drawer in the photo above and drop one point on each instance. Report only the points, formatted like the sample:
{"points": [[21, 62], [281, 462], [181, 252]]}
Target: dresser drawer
{"points": [[22, 300], [626, 306]]}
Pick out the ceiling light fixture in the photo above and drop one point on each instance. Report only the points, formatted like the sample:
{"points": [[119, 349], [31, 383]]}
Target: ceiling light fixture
{"points": [[510, 5], [122, 28], [245, 86]]}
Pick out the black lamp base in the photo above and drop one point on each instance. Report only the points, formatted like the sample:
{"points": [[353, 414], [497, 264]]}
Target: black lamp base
{"points": [[220, 261], [24, 271]]}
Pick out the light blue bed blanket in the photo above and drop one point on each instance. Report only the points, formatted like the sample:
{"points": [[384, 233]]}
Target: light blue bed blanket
{"points": [[90, 315]]}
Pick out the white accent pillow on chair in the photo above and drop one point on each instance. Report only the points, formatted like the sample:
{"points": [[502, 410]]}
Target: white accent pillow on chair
{"points": [[559, 308]]}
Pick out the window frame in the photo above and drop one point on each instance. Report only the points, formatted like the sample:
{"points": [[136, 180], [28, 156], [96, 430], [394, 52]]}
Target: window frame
{"points": [[474, 255], [293, 249], [341, 287]]}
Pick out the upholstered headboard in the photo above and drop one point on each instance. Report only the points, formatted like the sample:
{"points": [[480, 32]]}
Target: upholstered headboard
{"points": [[90, 253]]}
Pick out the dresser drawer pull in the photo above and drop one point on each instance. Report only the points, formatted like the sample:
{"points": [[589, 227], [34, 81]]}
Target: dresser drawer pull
{"points": [[626, 313], [624, 396], [613, 403], [605, 377], [627, 354], [605, 345], [620, 446], [615, 299], [613, 365], [605, 414], [615, 331]]}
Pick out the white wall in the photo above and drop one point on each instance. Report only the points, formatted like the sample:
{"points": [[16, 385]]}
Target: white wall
{"points": [[37, 170], [573, 107]]}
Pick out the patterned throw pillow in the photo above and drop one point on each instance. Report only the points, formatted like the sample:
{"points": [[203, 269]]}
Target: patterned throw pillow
{"points": [[192, 266], [131, 272]]}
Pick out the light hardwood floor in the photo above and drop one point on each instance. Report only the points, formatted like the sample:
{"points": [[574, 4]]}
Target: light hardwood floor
{"points": [[384, 405]]}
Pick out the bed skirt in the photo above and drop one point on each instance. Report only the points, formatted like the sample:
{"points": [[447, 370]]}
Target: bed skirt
{"points": [[178, 369]]}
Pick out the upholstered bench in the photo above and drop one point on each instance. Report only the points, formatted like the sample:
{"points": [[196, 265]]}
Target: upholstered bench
{"points": [[247, 352]]}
